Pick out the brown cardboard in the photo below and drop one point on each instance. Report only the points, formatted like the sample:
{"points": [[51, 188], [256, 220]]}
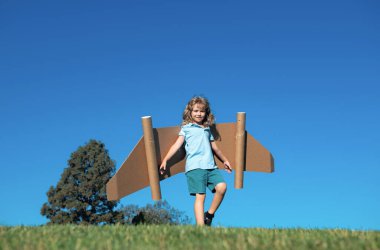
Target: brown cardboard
{"points": [[133, 173], [151, 159], [239, 149]]}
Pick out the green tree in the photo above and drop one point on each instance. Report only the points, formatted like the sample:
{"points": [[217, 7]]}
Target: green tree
{"points": [[80, 195], [161, 212]]}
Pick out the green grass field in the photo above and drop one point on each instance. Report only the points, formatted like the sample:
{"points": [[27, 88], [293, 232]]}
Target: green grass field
{"points": [[183, 237]]}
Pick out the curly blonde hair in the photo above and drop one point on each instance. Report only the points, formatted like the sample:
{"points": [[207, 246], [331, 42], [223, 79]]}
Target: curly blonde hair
{"points": [[209, 119]]}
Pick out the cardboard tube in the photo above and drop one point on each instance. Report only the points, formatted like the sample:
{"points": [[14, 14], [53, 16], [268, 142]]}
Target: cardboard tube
{"points": [[150, 150], [240, 150]]}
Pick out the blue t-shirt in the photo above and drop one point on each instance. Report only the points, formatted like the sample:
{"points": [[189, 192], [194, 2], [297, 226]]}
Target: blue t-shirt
{"points": [[198, 148]]}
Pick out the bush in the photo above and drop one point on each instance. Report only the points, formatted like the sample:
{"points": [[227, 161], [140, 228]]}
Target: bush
{"points": [[159, 213]]}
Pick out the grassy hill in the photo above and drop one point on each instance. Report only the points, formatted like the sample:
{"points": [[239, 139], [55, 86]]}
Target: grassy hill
{"points": [[183, 237]]}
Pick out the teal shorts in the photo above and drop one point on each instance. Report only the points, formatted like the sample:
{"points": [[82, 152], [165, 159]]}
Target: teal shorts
{"points": [[199, 179]]}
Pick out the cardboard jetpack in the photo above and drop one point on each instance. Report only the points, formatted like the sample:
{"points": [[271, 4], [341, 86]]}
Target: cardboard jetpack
{"points": [[141, 168]]}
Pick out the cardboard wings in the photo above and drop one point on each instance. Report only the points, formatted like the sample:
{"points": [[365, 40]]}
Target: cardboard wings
{"points": [[141, 168]]}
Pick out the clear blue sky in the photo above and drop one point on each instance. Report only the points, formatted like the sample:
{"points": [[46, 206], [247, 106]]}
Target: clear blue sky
{"points": [[307, 73]]}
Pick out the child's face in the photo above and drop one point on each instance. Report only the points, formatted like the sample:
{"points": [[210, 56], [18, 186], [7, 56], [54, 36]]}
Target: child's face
{"points": [[198, 113]]}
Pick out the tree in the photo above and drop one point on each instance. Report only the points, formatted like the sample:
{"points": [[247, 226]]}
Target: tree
{"points": [[80, 195], [158, 213]]}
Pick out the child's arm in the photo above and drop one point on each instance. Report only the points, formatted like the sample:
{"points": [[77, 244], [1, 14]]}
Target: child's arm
{"points": [[173, 149], [220, 155]]}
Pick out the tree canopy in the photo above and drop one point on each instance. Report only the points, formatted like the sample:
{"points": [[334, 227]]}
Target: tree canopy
{"points": [[80, 195]]}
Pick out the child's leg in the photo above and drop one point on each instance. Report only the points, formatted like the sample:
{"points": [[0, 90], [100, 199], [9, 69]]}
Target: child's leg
{"points": [[220, 190], [199, 208]]}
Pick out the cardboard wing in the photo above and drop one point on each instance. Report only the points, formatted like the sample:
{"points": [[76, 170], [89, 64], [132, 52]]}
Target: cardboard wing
{"points": [[133, 174]]}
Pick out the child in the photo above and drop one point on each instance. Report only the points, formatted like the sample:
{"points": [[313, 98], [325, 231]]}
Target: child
{"points": [[201, 170]]}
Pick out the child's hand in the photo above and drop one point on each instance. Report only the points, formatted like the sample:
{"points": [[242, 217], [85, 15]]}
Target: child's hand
{"points": [[227, 166], [163, 167]]}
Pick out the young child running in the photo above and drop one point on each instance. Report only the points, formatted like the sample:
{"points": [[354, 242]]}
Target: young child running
{"points": [[201, 170]]}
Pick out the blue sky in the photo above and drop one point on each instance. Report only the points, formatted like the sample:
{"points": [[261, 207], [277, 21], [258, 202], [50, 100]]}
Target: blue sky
{"points": [[306, 73]]}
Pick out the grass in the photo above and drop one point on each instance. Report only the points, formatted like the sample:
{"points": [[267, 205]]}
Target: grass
{"points": [[182, 237]]}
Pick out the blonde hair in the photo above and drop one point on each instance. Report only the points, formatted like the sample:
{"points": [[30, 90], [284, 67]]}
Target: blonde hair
{"points": [[209, 117]]}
